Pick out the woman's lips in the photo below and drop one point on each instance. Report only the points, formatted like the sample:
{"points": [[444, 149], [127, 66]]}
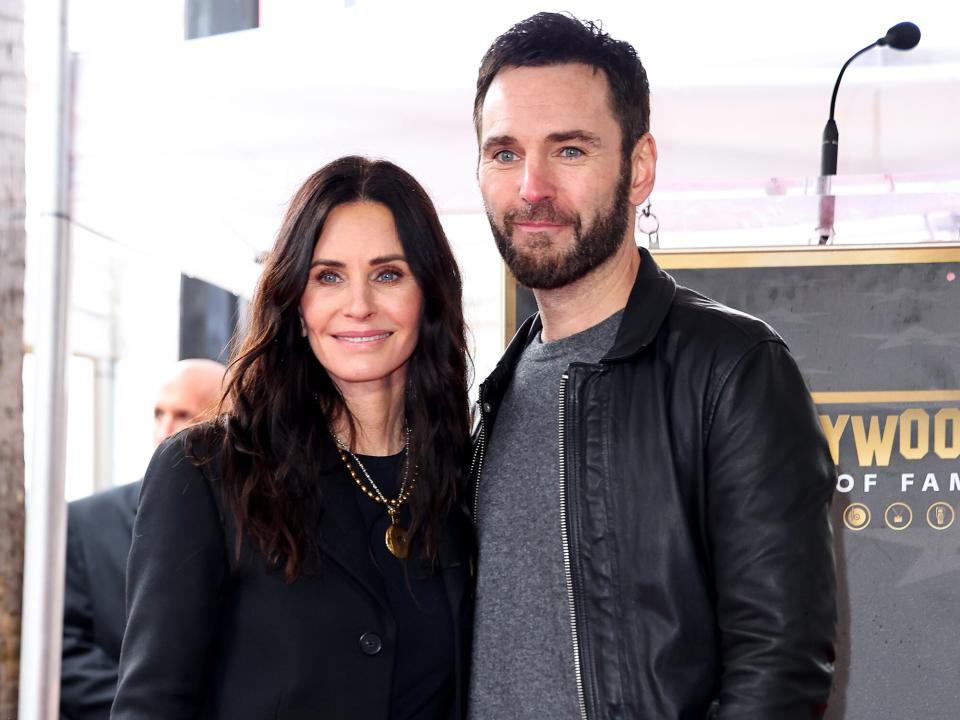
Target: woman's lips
{"points": [[360, 338]]}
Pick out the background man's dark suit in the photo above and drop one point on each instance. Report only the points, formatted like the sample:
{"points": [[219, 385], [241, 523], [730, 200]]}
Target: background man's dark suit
{"points": [[99, 532], [99, 535]]}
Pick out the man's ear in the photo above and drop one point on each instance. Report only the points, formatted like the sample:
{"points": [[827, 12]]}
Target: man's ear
{"points": [[643, 169]]}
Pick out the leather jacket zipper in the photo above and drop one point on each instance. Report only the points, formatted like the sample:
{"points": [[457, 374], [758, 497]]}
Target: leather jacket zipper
{"points": [[476, 464], [565, 540], [476, 468]]}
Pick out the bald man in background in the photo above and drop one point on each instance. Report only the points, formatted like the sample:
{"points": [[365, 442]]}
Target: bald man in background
{"points": [[99, 531]]}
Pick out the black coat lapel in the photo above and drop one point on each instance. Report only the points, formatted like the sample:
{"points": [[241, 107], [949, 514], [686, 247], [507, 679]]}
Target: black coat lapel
{"points": [[343, 536]]}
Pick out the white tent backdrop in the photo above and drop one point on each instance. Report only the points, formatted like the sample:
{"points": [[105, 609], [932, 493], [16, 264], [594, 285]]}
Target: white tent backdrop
{"points": [[191, 149]]}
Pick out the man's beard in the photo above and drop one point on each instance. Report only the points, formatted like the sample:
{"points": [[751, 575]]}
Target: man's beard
{"points": [[589, 249]]}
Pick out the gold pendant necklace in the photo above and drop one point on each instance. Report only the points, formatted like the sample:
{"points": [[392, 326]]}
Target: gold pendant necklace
{"points": [[396, 537]]}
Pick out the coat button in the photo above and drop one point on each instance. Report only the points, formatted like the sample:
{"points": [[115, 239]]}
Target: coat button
{"points": [[370, 643], [487, 407]]}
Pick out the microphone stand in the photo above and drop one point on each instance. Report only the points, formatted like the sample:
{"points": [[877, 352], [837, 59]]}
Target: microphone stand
{"points": [[902, 36], [828, 159]]}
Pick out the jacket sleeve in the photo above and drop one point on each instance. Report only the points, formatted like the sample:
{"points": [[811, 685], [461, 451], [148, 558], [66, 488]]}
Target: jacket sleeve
{"points": [[770, 481], [175, 582], [88, 674]]}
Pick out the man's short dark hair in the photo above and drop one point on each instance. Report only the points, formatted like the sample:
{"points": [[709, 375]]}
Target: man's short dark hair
{"points": [[555, 39]]}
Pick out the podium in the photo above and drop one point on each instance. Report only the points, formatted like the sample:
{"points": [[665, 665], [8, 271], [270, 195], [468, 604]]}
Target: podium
{"points": [[875, 332]]}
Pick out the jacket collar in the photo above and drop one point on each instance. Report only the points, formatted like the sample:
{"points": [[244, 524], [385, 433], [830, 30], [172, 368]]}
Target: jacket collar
{"points": [[647, 307]]}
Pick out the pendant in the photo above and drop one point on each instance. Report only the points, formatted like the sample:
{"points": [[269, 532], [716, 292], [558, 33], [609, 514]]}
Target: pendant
{"points": [[397, 541]]}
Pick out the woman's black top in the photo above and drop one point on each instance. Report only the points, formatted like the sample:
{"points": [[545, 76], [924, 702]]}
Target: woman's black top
{"points": [[422, 687]]}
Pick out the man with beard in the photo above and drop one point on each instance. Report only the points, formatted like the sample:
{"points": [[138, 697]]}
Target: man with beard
{"points": [[651, 486]]}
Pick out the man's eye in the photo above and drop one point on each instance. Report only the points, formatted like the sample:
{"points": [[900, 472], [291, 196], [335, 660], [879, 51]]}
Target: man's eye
{"points": [[571, 152], [507, 156]]}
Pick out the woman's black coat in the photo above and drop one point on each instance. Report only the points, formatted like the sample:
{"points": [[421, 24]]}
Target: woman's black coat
{"points": [[206, 638]]}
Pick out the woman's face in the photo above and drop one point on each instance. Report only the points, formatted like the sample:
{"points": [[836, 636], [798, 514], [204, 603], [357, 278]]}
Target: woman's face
{"points": [[361, 305]]}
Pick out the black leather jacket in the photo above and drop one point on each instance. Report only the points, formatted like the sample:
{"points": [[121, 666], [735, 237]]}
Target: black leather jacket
{"points": [[695, 486]]}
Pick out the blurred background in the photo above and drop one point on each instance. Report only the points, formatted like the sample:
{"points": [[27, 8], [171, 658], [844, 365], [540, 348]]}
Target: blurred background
{"points": [[189, 124]]}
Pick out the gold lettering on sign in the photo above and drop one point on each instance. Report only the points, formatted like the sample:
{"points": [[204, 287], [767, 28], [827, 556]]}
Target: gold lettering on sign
{"points": [[910, 420], [946, 443], [874, 447], [911, 432]]}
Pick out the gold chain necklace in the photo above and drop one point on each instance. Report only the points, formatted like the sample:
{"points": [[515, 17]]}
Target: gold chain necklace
{"points": [[396, 537]]}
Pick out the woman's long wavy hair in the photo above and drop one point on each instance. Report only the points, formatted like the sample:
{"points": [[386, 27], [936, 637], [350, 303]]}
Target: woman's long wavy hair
{"points": [[281, 399]]}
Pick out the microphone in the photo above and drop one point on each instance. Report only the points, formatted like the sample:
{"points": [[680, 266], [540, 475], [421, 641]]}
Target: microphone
{"points": [[902, 36]]}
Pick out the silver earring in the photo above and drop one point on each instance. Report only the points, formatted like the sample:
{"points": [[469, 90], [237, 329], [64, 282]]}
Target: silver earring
{"points": [[649, 225], [303, 327]]}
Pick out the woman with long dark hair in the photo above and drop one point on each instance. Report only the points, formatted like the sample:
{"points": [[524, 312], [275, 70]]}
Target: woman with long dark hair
{"points": [[306, 554]]}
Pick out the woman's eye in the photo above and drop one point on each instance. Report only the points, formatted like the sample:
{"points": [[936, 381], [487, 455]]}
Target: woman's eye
{"points": [[571, 152], [389, 276], [507, 156], [328, 278]]}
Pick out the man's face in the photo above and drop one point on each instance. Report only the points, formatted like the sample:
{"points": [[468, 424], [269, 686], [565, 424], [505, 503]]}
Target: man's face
{"points": [[178, 403], [554, 183]]}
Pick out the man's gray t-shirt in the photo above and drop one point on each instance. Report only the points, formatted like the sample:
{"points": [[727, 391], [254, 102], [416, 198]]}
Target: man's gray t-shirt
{"points": [[523, 649]]}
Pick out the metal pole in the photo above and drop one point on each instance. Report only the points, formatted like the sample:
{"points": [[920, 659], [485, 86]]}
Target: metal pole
{"points": [[46, 510]]}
